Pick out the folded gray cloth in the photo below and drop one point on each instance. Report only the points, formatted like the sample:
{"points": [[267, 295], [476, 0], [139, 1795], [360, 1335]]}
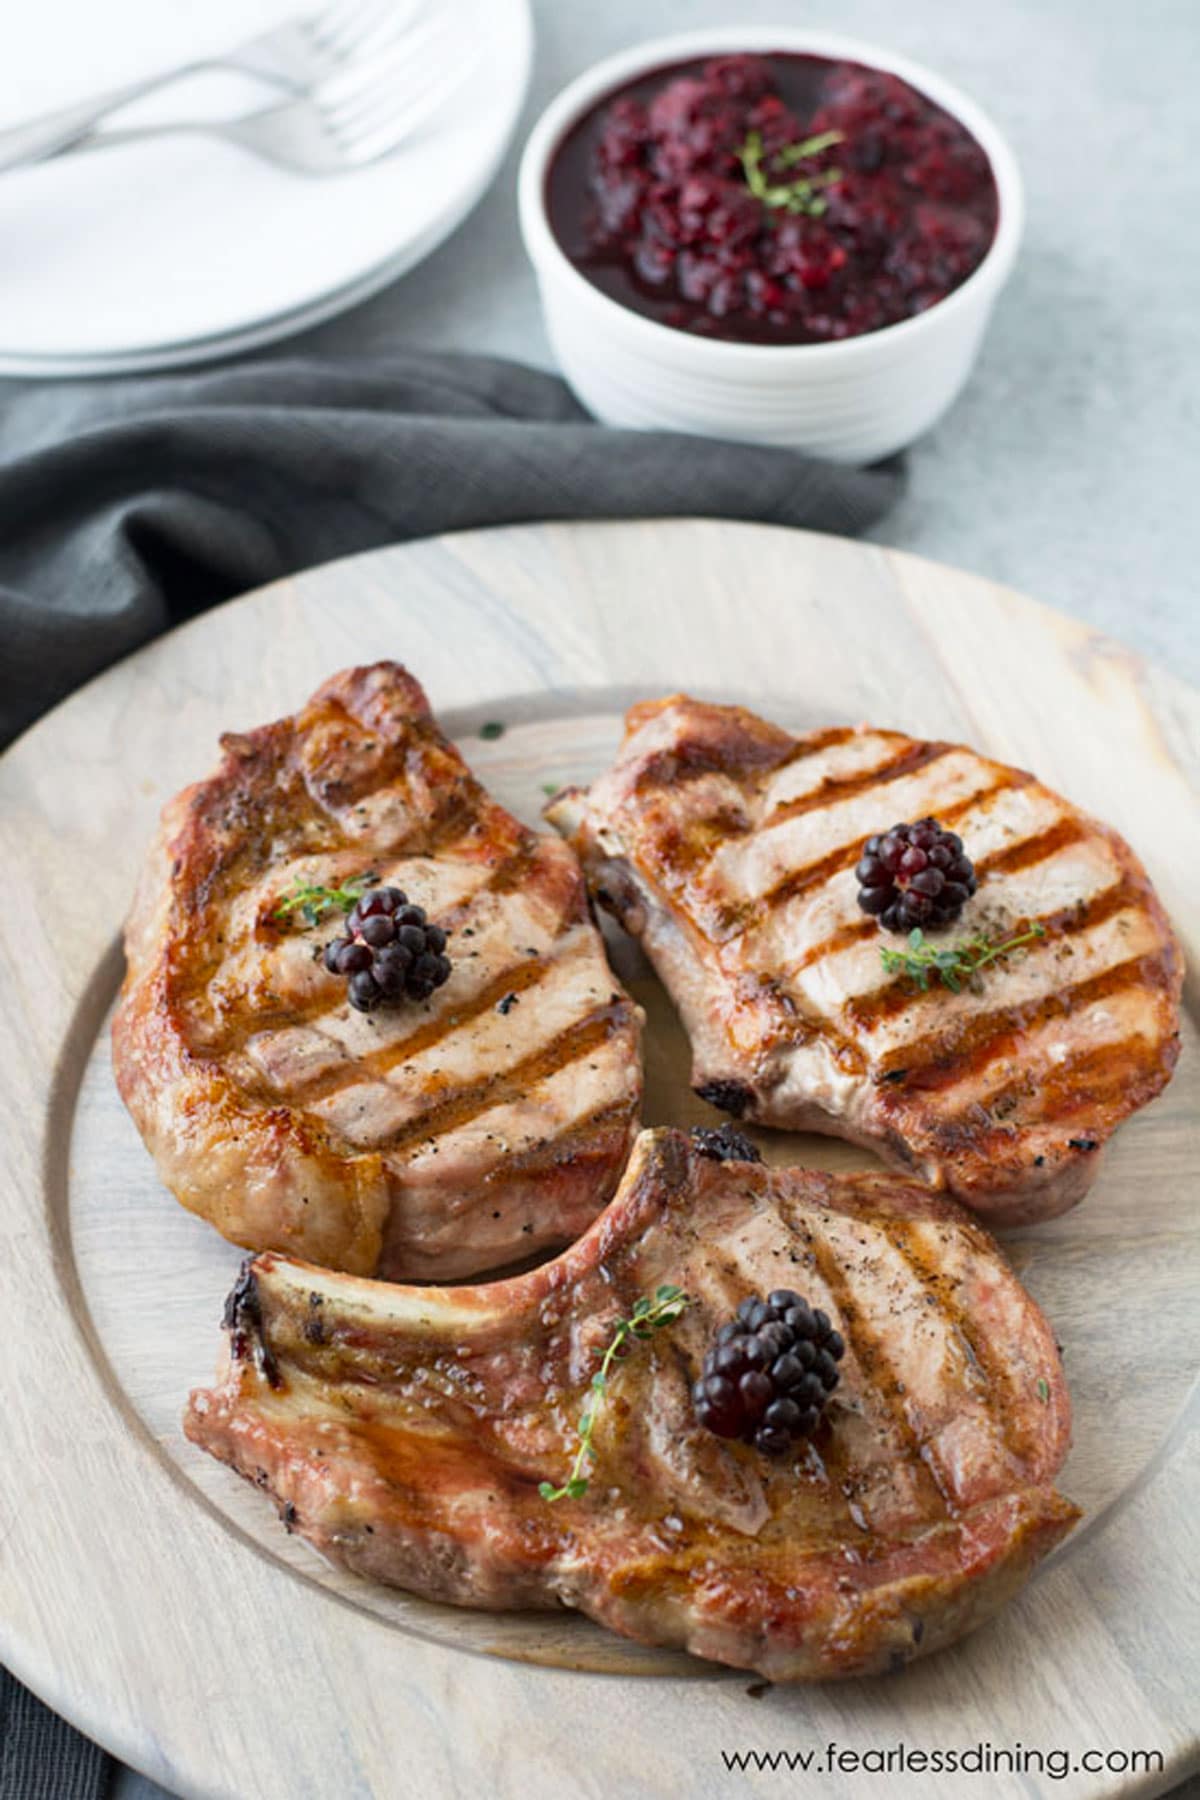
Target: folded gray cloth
{"points": [[126, 506], [41, 1757]]}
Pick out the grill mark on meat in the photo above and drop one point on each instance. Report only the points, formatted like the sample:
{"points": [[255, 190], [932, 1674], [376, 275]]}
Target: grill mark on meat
{"points": [[789, 1026], [694, 843], [1089, 1078], [977, 1354], [852, 932], [815, 741], [673, 767], [981, 1378], [1027, 851], [467, 1102], [1023, 854], [705, 836], [867, 1011], [881, 1382], [1007, 860], [579, 1138], [515, 980], [955, 1057], [266, 934], [836, 788], [737, 921], [241, 1027]]}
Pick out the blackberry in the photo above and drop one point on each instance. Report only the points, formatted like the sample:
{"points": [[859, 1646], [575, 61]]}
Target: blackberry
{"points": [[390, 951], [724, 1143], [769, 1373], [914, 875]]}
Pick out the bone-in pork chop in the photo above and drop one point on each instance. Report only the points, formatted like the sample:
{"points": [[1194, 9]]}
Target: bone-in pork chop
{"points": [[728, 847], [429, 1139], [406, 1431]]}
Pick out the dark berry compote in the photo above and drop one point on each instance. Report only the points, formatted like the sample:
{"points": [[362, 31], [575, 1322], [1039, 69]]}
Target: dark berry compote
{"points": [[779, 199]]}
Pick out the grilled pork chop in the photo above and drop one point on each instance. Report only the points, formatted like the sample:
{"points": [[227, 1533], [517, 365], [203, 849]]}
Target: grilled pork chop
{"points": [[728, 847], [428, 1140], [405, 1431]]}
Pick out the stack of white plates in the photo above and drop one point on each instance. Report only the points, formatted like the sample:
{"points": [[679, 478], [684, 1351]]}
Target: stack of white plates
{"points": [[184, 248]]}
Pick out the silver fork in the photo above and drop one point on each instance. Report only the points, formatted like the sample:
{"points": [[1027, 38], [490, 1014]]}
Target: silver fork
{"points": [[355, 119], [295, 55]]}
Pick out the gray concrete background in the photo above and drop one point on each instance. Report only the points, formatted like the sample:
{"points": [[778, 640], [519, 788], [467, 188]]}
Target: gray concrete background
{"points": [[1071, 466]]}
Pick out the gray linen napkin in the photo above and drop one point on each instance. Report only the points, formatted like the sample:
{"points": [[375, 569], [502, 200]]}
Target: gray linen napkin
{"points": [[126, 506], [41, 1757]]}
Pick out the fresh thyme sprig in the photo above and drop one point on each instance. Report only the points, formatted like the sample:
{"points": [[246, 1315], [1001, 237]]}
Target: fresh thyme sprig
{"points": [[647, 1317], [800, 194], [312, 901], [956, 963]]}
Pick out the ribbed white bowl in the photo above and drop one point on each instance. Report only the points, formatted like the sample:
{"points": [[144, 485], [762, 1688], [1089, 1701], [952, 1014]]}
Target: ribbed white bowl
{"points": [[855, 400]]}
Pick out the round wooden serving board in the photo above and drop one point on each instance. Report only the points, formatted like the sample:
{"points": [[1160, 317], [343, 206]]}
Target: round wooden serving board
{"points": [[156, 1600]]}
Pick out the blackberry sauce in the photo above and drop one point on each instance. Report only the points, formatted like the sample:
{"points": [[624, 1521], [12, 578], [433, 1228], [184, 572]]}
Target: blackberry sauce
{"points": [[649, 198]]}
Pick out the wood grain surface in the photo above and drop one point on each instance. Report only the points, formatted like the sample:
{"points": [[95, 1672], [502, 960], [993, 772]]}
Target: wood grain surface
{"points": [[155, 1600]]}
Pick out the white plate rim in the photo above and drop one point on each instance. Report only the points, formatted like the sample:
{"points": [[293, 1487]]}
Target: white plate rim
{"points": [[323, 306]]}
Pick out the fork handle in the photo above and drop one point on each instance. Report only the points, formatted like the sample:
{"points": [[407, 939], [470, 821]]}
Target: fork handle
{"points": [[39, 138], [118, 135]]}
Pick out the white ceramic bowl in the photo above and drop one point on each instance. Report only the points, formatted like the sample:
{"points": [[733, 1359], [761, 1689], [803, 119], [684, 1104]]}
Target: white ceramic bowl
{"points": [[854, 400]]}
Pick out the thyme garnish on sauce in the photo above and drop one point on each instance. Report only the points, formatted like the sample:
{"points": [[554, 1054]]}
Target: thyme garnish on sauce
{"points": [[955, 965], [647, 1317], [312, 901], [800, 194]]}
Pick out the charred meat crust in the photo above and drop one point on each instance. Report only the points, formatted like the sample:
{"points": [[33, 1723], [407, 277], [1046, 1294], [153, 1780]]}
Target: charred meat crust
{"points": [[724, 1144], [242, 1319], [733, 1097], [409, 1437]]}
